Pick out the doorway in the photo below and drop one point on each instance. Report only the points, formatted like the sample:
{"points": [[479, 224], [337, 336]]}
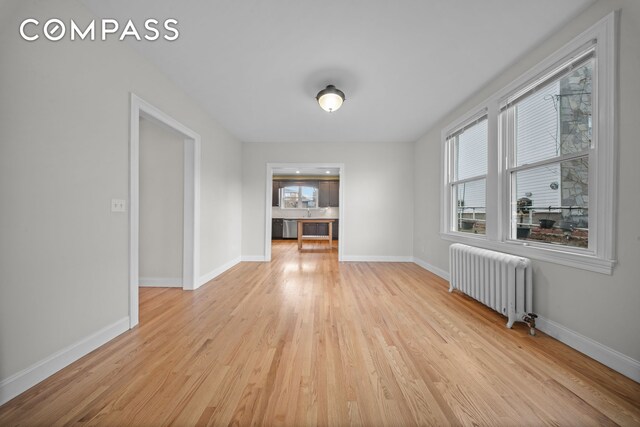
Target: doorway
{"points": [[161, 224], [140, 109], [304, 191]]}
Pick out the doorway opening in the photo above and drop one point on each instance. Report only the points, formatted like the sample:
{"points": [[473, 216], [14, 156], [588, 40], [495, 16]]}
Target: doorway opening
{"points": [[305, 205], [141, 109], [161, 223]]}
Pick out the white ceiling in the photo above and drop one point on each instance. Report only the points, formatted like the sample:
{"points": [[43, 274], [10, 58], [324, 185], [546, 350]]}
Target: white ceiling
{"points": [[306, 171], [257, 65]]}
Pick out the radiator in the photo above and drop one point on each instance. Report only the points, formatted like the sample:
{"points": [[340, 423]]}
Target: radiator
{"points": [[500, 281]]}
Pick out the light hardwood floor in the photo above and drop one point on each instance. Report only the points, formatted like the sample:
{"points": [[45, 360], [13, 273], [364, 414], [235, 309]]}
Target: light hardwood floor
{"points": [[304, 340]]}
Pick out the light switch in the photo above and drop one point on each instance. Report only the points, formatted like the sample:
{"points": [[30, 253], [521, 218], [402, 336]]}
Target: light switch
{"points": [[118, 205]]}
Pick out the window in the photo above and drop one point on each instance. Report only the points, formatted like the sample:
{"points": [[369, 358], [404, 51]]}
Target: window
{"points": [[531, 171], [298, 197], [549, 135], [467, 183]]}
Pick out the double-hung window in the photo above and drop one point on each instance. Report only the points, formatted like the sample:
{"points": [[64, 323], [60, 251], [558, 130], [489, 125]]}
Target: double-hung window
{"points": [[468, 176], [532, 170], [548, 133]]}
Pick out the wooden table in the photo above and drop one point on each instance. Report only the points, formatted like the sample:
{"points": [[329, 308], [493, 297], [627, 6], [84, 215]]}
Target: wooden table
{"points": [[328, 237]]}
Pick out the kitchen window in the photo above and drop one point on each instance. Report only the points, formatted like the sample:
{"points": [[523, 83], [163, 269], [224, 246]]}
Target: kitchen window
{"points": [[298, 197], [546, 171]]}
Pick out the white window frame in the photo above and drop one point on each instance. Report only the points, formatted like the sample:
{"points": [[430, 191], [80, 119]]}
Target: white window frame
{"points": [[451, 180], [600, 257], [507, 122], [299, 185]]}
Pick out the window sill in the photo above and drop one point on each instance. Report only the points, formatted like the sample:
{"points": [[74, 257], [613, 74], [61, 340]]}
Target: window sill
{"points": [[575, 259]]}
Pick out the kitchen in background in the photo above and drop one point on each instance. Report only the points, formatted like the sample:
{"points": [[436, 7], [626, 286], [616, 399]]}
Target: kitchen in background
{"points": [[304, 194]]}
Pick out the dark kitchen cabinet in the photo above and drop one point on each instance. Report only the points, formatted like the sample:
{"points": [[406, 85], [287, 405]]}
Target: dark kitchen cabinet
{"points": [[329, 194], [334, 194], [319, 229], [275, 195], [323, 229], [276, 228], [310, 229], [323, 194]]}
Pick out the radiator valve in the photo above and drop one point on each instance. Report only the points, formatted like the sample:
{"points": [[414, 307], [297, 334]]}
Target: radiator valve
{"points": [[530, 320]]}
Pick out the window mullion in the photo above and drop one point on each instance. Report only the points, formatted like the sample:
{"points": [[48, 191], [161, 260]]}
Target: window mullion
{"points": [[492, 192], [452, 175], [507, 160]]}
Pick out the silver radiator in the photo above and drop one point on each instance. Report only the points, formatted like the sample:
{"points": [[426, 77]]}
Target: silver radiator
{"points": [[500, 281]]}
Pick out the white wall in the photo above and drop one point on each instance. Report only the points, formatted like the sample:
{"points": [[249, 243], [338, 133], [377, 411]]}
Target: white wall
{"points": [[600, 307], [378, 189], [64, 154], [161, 203]]}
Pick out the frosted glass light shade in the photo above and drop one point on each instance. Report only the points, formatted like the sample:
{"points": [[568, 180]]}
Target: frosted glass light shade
{"points": [[330, 98]]}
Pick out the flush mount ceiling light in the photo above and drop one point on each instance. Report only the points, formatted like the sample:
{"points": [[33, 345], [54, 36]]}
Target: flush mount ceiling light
{"points": [[330, 98]]}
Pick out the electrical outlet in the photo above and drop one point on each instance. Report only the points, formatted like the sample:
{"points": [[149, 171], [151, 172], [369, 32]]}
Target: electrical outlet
{"points": [[118, 205]]}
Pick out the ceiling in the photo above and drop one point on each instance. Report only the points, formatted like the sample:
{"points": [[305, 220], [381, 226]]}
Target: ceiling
{"points": [[257, 65], [306, 171]]}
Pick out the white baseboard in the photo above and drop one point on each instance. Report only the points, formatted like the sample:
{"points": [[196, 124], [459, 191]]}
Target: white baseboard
{"points": [[432, 268], [376, 258], [252, 258], [216, 272], [607, 356], [161, 282], [27, 378]]}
